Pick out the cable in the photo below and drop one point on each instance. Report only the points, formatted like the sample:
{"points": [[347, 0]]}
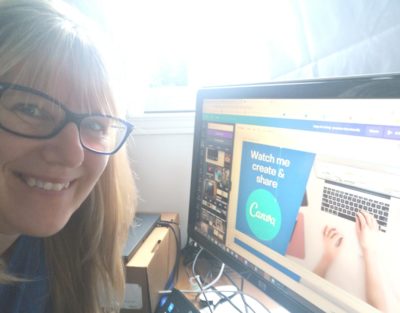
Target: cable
{"points": [[195, 261], [205, 289], [241, 283], [225, 298], [197, 278], [246, 305], [178, 244], [171, 222], [218, 276], [227, 291]]}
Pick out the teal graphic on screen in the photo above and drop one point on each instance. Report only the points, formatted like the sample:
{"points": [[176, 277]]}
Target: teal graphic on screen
{"points": [[271, 189], [263, 214]]}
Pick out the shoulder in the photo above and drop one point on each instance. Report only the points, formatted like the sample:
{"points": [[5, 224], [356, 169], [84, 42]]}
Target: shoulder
{"points": [[26, 262], [27, 257]]}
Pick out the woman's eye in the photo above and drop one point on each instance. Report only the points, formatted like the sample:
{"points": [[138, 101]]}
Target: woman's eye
{"points": [[31, 110], [96, 127]]}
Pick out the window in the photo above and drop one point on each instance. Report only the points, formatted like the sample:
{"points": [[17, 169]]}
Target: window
{"points": [[166, 50]]}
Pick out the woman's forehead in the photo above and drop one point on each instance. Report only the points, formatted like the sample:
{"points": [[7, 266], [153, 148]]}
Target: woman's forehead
{"points": [[78, 94]]}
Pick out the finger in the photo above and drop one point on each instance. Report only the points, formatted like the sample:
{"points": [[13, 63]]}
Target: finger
{"points": [[371, 221], [362, 219], [368, 218], [337, 239], [358, 222], [374, 223], [331, 232], [334, 234], [325, 230]]}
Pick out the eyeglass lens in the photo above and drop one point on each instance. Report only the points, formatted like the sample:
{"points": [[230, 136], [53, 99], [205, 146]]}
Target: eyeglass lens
{"points": [[31, 115], [101, 133]]}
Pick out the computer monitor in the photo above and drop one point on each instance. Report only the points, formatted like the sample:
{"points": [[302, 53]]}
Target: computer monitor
{"points": [[280, 172]]}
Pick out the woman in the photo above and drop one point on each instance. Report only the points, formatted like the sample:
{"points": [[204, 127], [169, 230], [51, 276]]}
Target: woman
{"points": [[66, 196]]}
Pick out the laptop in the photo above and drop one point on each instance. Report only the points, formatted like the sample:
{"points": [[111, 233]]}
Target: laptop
{"points": [[346, 201], [351, 188], [141, 227]]}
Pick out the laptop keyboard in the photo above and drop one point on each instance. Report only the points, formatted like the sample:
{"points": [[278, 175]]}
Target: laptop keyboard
{"points": [[346, 204]]}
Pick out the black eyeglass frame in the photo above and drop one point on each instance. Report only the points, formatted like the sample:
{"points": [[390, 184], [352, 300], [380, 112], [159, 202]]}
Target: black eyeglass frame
{"points": [[70, 116]]}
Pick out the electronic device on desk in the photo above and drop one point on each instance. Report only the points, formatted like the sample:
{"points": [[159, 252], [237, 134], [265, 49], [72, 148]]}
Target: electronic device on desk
{"points": [[280, 170], [176, 302], [142, 226]]}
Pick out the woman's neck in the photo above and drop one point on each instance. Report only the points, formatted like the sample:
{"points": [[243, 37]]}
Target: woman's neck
{"points": [[6, 241]]}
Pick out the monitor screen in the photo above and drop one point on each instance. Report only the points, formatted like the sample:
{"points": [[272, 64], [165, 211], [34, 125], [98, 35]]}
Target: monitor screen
{"points": [[298, 185]]}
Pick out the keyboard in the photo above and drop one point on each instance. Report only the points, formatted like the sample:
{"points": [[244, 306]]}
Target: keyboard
{"points": [[345, 203]]}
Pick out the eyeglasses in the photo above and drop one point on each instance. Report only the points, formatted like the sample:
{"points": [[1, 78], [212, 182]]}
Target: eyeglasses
{"points": [[30, 113]]}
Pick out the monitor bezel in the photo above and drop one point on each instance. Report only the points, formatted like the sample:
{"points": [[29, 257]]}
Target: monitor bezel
{"points": [[329, 88]]}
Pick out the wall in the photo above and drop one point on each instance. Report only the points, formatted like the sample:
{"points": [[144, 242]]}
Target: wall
{"points": [[161, 154]]}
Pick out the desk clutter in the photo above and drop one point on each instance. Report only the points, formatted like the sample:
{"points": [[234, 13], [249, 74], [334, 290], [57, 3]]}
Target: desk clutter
{"points": [[151, 257], [176, 302], [151, 267], [220, 300]]}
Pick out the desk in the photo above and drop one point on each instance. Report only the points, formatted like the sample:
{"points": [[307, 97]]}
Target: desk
{"points": [[183, 283]]}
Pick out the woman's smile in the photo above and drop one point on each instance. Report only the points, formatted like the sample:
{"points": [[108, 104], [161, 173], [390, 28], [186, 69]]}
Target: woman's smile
{"points": [[45, 183]]}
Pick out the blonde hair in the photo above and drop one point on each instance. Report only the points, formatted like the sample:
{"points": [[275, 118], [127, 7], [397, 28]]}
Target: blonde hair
{"points": [[44, 42]]}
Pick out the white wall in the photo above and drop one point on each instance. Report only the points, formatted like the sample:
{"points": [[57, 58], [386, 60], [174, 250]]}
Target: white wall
{"points": [[161, 153]]}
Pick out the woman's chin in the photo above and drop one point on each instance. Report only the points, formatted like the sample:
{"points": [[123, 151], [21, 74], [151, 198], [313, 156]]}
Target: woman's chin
{"points": [[44, 230]]}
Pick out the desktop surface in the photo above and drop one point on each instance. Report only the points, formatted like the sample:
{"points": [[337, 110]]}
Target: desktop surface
{"points": [[255, 298]]}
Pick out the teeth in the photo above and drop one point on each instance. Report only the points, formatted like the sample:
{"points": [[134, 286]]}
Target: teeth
{"points": [[33, 182]]}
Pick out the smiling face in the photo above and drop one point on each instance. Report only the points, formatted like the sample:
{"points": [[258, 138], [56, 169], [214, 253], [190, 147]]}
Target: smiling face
{"points": [[43, 182]]}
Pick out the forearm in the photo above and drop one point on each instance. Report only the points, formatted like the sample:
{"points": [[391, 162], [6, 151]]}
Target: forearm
{"points": [[323, 265], [375, 292]]}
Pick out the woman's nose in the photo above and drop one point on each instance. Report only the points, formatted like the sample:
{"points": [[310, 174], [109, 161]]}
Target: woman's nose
{"points": [[65, 149]]}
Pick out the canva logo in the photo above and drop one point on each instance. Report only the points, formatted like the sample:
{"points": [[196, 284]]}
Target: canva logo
{"points": [[256, 213], [263, 214]]}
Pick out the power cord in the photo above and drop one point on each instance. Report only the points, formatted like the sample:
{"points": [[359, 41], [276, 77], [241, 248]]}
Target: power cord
{"points": [[170, 224], [225, 298], [223, 291], [246, 305], [204, 289], [194, 270]]}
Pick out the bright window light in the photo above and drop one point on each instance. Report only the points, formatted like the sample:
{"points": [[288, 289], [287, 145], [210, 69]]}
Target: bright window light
{"points": [[164, 51]]}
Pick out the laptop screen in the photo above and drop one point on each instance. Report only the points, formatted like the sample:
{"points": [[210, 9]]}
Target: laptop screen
{"points": [[298, 183]]}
